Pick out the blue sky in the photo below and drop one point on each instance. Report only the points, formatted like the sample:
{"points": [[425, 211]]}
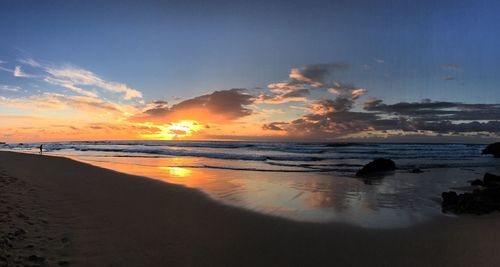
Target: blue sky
{"points": [[397, 50], [183, 48]]}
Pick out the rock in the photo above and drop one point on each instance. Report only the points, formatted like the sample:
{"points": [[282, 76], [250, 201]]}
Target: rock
{"points": [[416, 170], [473, 203], [491, 179], [377, 166], [492, 194], [493, 149], [450, 198], [476, 182], [482, 200]]}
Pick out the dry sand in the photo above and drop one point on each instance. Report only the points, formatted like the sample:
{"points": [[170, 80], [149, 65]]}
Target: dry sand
{"points": [[56, 211]]}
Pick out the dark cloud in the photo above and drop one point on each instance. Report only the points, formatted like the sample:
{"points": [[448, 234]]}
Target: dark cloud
{"points": [[427, 110], [334, 117], [330, 124], [338, 104], [297, 93], [217, 107], [274, 126], [303, 80], [315, 74], [450, 127]]}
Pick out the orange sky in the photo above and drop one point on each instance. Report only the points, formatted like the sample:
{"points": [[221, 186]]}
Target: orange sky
{"points": [[308, 105]]}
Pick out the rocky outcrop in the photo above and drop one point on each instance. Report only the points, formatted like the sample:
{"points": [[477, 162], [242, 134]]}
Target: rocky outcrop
{"points": [[484, 199], [492, 149], [377, 166]]}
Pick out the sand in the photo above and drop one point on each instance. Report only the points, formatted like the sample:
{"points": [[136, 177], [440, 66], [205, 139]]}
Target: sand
{"points": [[56, 211]]}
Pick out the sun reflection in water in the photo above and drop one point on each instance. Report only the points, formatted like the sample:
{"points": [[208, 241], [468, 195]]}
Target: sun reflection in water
{"points": [[177, 171]]}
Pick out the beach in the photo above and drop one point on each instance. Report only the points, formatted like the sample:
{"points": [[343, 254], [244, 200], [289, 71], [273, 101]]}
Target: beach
{"points": [[72, 213]]}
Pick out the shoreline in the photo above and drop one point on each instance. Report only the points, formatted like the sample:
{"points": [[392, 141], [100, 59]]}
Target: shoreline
{"points": [[99, 217]]}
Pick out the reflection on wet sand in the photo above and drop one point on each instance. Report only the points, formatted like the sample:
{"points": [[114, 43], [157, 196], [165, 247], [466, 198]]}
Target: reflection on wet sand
{"points": [[177, 171], [397, 200]]}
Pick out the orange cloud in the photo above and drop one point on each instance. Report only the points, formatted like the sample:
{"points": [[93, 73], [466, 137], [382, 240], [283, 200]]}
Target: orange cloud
{"points": [[217, 107]]}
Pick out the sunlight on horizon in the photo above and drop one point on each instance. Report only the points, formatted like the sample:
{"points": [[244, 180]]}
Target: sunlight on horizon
{"points": [[175, 130]]}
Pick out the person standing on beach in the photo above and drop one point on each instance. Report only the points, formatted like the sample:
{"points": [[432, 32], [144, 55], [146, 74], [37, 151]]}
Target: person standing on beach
{"points": [[41, 149]]}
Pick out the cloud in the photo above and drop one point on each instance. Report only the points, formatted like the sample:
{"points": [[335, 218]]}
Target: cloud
{"points": [[70, 86], [328, 105], [303, 80], [76, 76], [274, 126], [217, 107], [329, 109], [428, 110], [9, 88], [325, 125], [315, 74], [464, 127], [6, 69], [19, 73], [346, 90], [30, 62], [53, 101], [279, 99], [332, 118]]}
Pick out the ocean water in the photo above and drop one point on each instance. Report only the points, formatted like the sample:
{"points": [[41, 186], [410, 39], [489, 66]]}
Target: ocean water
{"points": [[299, 181]]}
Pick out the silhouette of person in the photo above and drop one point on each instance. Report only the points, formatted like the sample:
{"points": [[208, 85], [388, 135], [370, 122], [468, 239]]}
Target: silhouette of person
{"points": [[41, 149]]}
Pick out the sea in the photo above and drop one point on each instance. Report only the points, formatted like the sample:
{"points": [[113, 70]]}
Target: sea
{"points": [[313, 182]]}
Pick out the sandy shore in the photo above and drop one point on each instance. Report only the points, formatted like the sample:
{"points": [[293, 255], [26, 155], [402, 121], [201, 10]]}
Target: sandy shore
{"points": [[56, 211]]}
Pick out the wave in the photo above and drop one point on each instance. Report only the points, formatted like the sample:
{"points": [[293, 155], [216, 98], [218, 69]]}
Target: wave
{"points": [[297, 157], [189, 153]]}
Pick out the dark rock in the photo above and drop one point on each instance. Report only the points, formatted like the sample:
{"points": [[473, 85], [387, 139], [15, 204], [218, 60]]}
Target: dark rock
{"points": [[377, 166], [416, 170], [466, 203], [449, 198], [493, 149], [476, 182], [491, 179], [483, 200], [492, 193]]}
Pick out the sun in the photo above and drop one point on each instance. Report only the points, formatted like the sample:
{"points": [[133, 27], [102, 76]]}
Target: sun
{"points": [[176, 130]]}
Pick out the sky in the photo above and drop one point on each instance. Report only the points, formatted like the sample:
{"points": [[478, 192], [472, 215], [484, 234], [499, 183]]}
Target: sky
{"points": [[422, 71]]}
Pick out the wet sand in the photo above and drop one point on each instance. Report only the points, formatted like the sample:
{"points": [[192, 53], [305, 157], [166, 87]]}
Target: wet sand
{"points": [[56, 211]]}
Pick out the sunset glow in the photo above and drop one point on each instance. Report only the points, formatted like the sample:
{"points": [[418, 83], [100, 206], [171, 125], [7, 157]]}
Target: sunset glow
{"points": [[169, 85], [175, 130]]}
